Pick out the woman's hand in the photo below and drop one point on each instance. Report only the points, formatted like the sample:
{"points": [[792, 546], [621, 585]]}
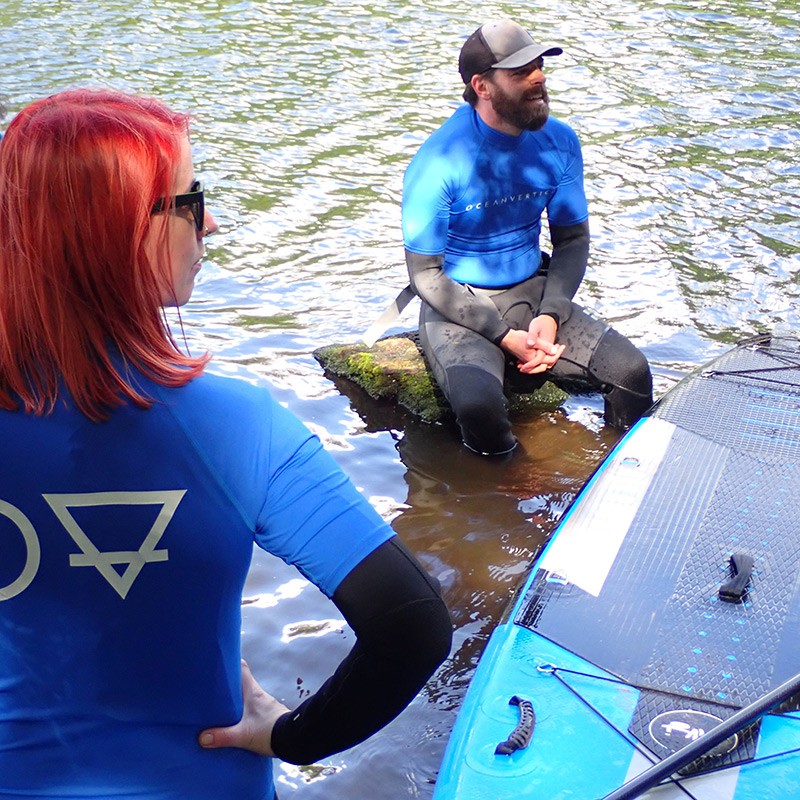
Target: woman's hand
{"points": [[254, 730]]}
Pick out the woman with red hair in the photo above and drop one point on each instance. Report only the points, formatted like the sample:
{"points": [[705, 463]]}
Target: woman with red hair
{"points": [[133, 486]]}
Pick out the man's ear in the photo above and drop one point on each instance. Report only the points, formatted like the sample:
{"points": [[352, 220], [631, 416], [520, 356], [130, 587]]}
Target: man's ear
{"points": [[480, 84]]}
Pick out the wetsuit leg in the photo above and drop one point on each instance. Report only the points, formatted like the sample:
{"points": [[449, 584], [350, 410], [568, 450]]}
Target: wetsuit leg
{"points": [[598, 356], [469, 369], [624, 370]]}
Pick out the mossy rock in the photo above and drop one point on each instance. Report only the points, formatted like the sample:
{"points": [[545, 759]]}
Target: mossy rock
{"points": [[395, 369]]}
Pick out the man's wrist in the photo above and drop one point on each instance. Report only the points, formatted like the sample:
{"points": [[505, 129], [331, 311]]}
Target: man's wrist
{"points": [[553, 315], [498, 340]]}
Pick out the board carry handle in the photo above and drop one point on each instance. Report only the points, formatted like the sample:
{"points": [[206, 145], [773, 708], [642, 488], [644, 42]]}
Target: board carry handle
{"points": [[520, 737], [652, 776], [734, 589]]}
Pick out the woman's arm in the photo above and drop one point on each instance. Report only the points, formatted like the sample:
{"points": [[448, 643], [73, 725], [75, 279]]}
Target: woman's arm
{"points": [[403, 633]]}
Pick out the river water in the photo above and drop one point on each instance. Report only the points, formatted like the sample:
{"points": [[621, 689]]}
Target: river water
{"points": [[306, 114]]}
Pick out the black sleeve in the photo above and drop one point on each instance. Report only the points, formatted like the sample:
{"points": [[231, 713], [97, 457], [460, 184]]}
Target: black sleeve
{"points": [[453, 300], [403, 633], [567, 268]]}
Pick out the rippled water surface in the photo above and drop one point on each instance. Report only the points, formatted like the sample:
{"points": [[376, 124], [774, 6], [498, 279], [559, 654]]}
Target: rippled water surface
{"points": [[306, 114]]}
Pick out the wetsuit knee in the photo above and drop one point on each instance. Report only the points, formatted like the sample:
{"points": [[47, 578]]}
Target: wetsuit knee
{"points": [[481, 409], [625, 375]]}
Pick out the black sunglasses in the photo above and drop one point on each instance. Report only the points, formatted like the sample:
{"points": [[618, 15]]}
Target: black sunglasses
{"points": [[194, 198]]}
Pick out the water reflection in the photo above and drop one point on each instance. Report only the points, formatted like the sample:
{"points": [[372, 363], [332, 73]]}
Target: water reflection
{"points": [[306, 114]]}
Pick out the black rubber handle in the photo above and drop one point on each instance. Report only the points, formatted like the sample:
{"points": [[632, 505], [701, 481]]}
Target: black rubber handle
{"points": [[521, 735], [735, 589]]}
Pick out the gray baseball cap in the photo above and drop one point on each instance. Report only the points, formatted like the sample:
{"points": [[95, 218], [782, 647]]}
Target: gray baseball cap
{"points": [[500, 44]]}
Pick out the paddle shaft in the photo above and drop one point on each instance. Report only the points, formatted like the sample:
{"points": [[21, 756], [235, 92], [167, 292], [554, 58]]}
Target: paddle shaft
{"points": [[708, 741]]}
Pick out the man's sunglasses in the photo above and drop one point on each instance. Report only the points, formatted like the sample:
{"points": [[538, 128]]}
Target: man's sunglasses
{"points": [[194, 198]]}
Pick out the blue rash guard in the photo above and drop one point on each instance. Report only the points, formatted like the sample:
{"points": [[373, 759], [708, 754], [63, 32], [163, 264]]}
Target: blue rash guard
{"points": [[125, 546], [477, 195]]}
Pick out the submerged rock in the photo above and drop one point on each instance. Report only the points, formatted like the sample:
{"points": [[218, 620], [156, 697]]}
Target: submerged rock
{"points": [[395, 369]]}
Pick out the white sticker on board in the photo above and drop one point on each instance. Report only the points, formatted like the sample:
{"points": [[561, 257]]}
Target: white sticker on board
{"points": [[589, 539]]}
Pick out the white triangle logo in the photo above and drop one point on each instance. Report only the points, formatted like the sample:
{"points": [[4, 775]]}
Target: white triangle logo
{"points": [[105, 561]]}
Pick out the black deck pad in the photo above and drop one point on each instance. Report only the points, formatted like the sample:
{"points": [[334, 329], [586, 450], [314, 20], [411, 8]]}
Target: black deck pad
{"points": [[729, 482], [726, 652]]}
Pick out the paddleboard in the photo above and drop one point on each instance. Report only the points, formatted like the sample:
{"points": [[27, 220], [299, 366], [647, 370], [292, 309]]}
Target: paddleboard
{"points": [[667, 600]]}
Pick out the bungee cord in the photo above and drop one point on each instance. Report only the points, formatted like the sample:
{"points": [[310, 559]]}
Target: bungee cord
{"points": [[556, 672]]}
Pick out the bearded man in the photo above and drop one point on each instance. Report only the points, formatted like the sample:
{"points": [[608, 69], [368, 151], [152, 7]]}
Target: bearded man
{"points": [[497, 313]]}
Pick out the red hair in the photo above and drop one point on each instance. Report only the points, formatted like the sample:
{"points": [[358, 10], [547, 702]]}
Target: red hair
{"points": [[79, 174]]}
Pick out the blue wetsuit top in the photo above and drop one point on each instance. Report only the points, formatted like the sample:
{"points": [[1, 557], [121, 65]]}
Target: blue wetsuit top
{"points": [[125, 546], [477, 196]]}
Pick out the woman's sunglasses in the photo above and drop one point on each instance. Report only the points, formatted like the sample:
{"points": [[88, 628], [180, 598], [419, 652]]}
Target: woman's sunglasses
{"points": [[194, 199]]}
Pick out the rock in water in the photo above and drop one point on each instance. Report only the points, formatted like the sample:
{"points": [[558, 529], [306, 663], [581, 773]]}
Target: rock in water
{"points": [[395, 369]]}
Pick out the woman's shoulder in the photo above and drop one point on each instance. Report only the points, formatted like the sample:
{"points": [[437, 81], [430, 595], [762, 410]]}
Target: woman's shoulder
{"points": [[232, 420], [216, 405], [222, 388]]}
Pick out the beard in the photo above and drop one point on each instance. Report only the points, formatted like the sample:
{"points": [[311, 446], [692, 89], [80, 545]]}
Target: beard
{"points": [[520, 112]]}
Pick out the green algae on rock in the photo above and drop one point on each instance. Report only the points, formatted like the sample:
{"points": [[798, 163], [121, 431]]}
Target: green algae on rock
{"points": [[395, 369]]}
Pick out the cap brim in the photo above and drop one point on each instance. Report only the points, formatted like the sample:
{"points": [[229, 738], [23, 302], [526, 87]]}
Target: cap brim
{"points": [[526, 55]]}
